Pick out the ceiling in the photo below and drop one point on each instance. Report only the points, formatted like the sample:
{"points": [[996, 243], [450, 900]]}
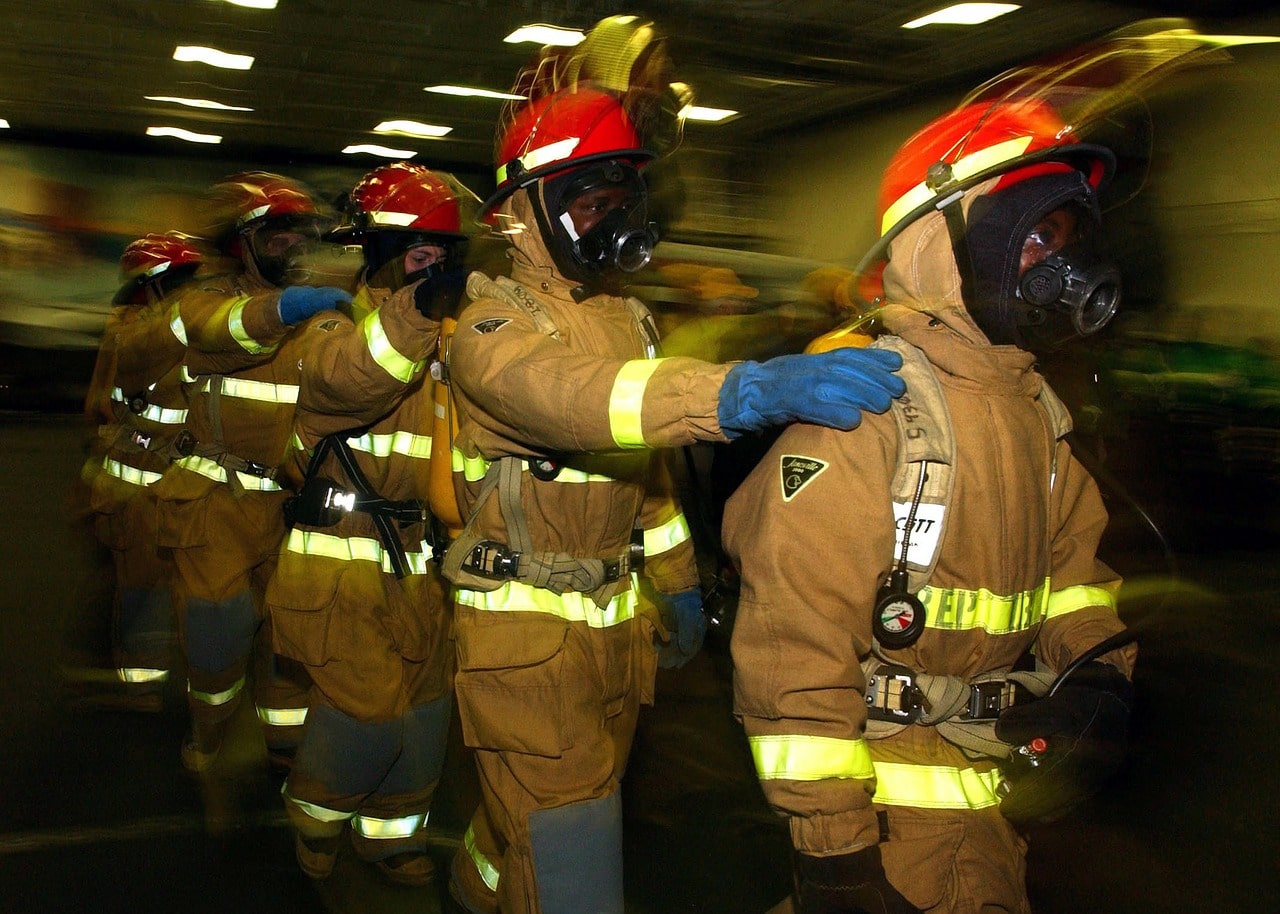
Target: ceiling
{"points": [[76, 72]]}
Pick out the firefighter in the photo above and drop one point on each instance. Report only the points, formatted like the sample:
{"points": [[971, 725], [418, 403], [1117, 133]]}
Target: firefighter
{"points": [[561, 400], [357, 598], [222, 498], [138, 375], [894, 575]]}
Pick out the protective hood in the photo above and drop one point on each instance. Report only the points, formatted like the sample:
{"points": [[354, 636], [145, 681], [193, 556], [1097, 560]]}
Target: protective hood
{"points": [[532, 263]]}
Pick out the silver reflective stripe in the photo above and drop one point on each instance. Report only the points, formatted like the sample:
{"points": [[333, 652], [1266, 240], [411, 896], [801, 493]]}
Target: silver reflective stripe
{"points": [[118, 395], [263, 391], [163, 416], [235, 325], [404, 443], [317, 812], [141, 674], [176, 325], [403, 827], [659, 539], [488, 872], [211, 469], [282, 717], [131, 475], [217, 698], [354, 549]]}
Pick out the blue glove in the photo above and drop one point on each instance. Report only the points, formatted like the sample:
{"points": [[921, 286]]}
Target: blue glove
{"points": [[826, 388], [683, 618], [297, 303]]}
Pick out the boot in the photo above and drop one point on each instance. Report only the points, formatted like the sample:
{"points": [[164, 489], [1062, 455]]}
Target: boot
{"points": [[411, 868], [316, 855]]}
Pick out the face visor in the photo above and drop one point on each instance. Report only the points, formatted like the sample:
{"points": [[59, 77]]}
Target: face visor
{"points": [[279, 248]]}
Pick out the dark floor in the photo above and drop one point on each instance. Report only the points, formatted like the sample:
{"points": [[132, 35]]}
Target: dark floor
{"points": [[97, 815]]}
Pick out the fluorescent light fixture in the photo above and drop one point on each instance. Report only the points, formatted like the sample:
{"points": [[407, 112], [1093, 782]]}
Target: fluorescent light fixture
{"points": [[212, 56], [545, 34], [194, 102], [255, 4], [4, 125], [963, 14], [1231, 41], [468, 91], [375, 150], [412, 128], [701, 113], [179, 133]]}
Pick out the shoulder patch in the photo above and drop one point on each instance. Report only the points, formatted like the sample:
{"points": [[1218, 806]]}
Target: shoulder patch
{"points": [[797, 471], [328, 325], [491, 325]]}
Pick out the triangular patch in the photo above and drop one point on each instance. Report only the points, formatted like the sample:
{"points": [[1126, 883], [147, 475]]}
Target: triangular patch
{"points": [[489, 326], [797, 472]]}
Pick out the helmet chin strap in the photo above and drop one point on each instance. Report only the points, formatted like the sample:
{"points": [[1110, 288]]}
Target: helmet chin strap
{"points": [[939, 179]]}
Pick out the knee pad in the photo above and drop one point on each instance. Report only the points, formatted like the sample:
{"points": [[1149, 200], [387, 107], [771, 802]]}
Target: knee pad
{"points": [[219, 634], [144, 624], [348, 756], [559, 837], [421, 762]]}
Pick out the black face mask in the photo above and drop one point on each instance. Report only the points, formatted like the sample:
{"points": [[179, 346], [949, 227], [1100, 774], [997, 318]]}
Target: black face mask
{"points": [[1073, 286]]}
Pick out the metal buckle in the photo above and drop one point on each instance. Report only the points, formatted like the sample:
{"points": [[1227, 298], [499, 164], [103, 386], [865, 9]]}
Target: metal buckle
{"points": [[256, 469], [892, 695], [184, 443], [988, 699], [141, 440], [492, 560]]}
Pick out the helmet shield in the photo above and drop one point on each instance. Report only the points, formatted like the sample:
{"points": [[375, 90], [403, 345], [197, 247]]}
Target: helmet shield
{"points": [[279, 247]]}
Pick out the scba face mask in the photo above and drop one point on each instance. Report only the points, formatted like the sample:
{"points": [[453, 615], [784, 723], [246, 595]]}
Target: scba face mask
{"points": [[1074, 284], [620, 242]]}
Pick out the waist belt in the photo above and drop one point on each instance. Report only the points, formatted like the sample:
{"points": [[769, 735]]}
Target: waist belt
{"points": [[555, 571], [963, 711]]}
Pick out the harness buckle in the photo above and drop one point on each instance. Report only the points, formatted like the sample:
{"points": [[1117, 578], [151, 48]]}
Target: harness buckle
{"points": [[493, 560], [141, 440], [616, 567], [988, 699], [184, 443], [893, 696], [260, 470]]}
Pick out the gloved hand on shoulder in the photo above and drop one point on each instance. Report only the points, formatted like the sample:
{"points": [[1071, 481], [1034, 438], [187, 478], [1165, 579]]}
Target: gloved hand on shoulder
{"points": [[683, 617], [440, 290], [827, 388], [297, 303], [1067, 745], [847, 884]]}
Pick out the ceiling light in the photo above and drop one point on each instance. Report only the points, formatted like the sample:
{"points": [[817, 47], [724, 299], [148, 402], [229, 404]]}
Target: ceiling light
{"points": [[212, 56], [179, 133], [545, 34], [700, 113], [412, 128], [194, 102], [468, 91], [381, 151], [4, 125], [255, 4], [1229, 41], [963, 14]]}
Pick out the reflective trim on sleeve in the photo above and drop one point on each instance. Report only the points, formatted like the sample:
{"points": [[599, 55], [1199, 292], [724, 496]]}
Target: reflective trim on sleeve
{"points": [[1079, 596], [626, 400], [935, 786], [117, 395], [176, 325], [235, 325], [402, 827], [354, 549], [659, 539], [404, 443], [141, 674], [211, 469], [282, 717], [315, 811], [131, 475], [214, 699], [809, 758], [955, 609], [401, 368], [473, 469], [263, 391], [571, 606], [164, 416], [488, 872]]}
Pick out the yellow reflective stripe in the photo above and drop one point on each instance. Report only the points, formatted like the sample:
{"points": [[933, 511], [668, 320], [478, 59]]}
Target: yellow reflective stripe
{"points": [[163, 416], [131, 475], [264, 391], [473, 469], [403, 827], [176, 325], [955, 609], [118, 395], [935, 786], [211, 469], [809, 758], [962, 168], [353, 549], [543, 155], [297, 444], [1079, 596], [404, 443], [315, 811], [282, 717], [398, 366], [488, 872], [141, 674], [666, 536], [235, 325], [515, 596], [626, 399], [215, 699]]}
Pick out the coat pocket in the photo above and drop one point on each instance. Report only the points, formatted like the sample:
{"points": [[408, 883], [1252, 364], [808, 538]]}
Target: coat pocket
{"points": [[510, 683], [301, 597]]}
